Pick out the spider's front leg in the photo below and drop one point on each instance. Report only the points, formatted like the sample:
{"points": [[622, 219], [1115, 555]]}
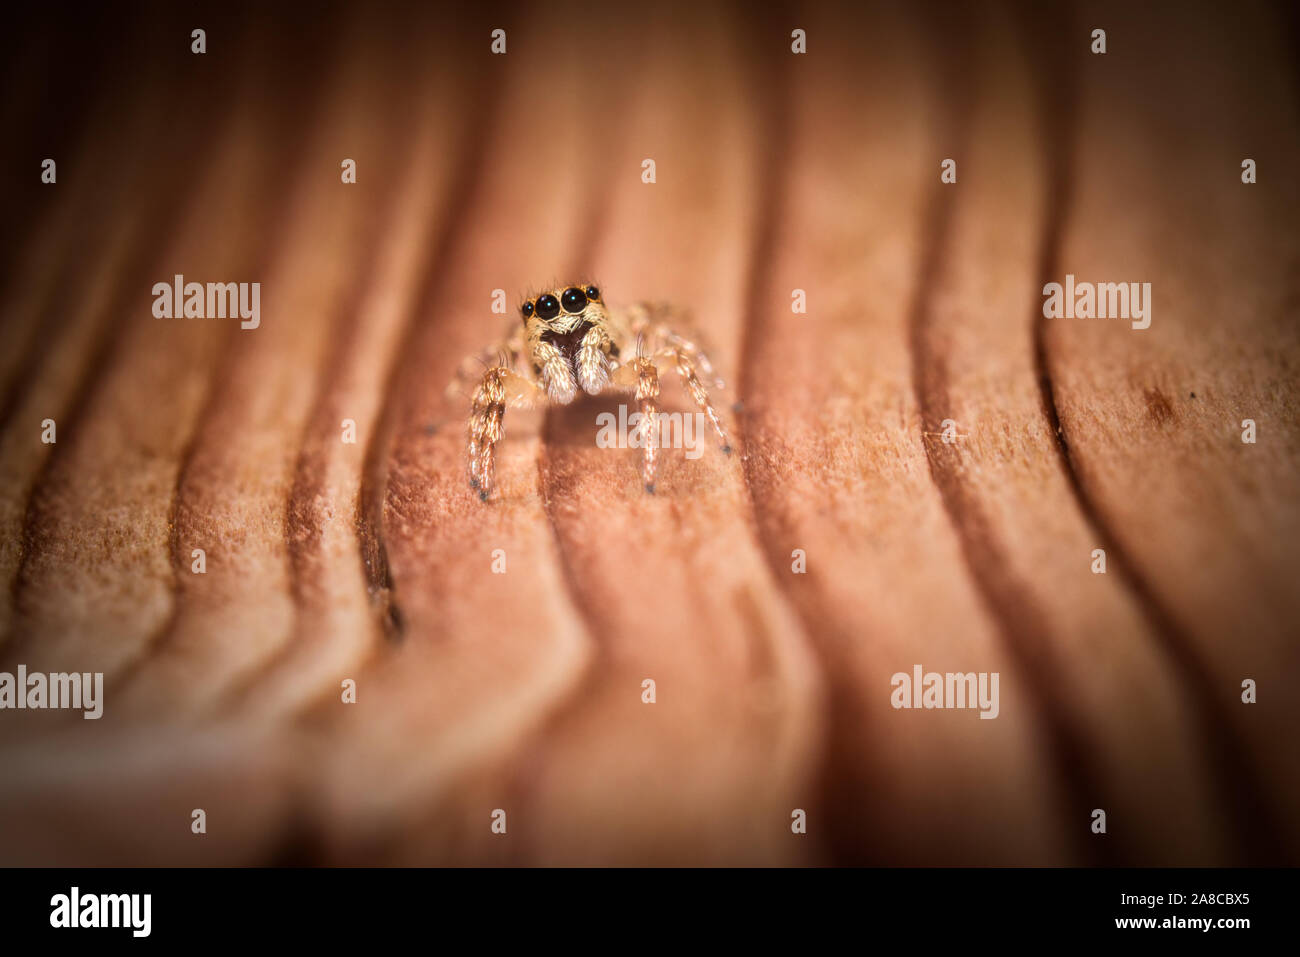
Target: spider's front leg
{"points": [[642, 375], [499, 388], [656, 322]]}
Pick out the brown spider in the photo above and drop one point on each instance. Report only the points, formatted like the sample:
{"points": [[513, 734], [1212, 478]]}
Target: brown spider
{"points": [[569, 341]]}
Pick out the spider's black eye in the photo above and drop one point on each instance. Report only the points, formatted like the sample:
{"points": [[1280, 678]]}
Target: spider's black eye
{"points": [[548, 307], [527, 309], [593, 292], [574, 299]]}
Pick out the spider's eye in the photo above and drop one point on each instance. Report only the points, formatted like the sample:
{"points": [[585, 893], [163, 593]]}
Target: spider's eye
{"points": [[593, 292], [548, 307], [574, 299], [527, 310]]}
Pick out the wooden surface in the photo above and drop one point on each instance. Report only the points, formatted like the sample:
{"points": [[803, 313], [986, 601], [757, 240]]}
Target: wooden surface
{"points": [[522, 691]]}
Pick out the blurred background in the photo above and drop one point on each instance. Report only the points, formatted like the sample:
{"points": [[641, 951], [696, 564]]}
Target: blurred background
{"points": [[769, 595]]}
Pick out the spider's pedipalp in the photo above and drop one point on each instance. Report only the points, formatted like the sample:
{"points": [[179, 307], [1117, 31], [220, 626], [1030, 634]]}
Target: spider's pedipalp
{"points": [[592, 361], [557, 373]]}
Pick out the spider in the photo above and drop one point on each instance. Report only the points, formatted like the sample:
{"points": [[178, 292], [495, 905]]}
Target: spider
{"points": [[570, 341]]}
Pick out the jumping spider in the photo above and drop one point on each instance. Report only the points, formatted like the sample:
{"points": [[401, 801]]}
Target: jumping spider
{"points": [[570, 340]]}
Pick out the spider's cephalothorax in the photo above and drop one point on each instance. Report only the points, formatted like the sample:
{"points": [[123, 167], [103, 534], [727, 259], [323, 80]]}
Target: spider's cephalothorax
{"points": [[570, 341], [566, 335]]}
